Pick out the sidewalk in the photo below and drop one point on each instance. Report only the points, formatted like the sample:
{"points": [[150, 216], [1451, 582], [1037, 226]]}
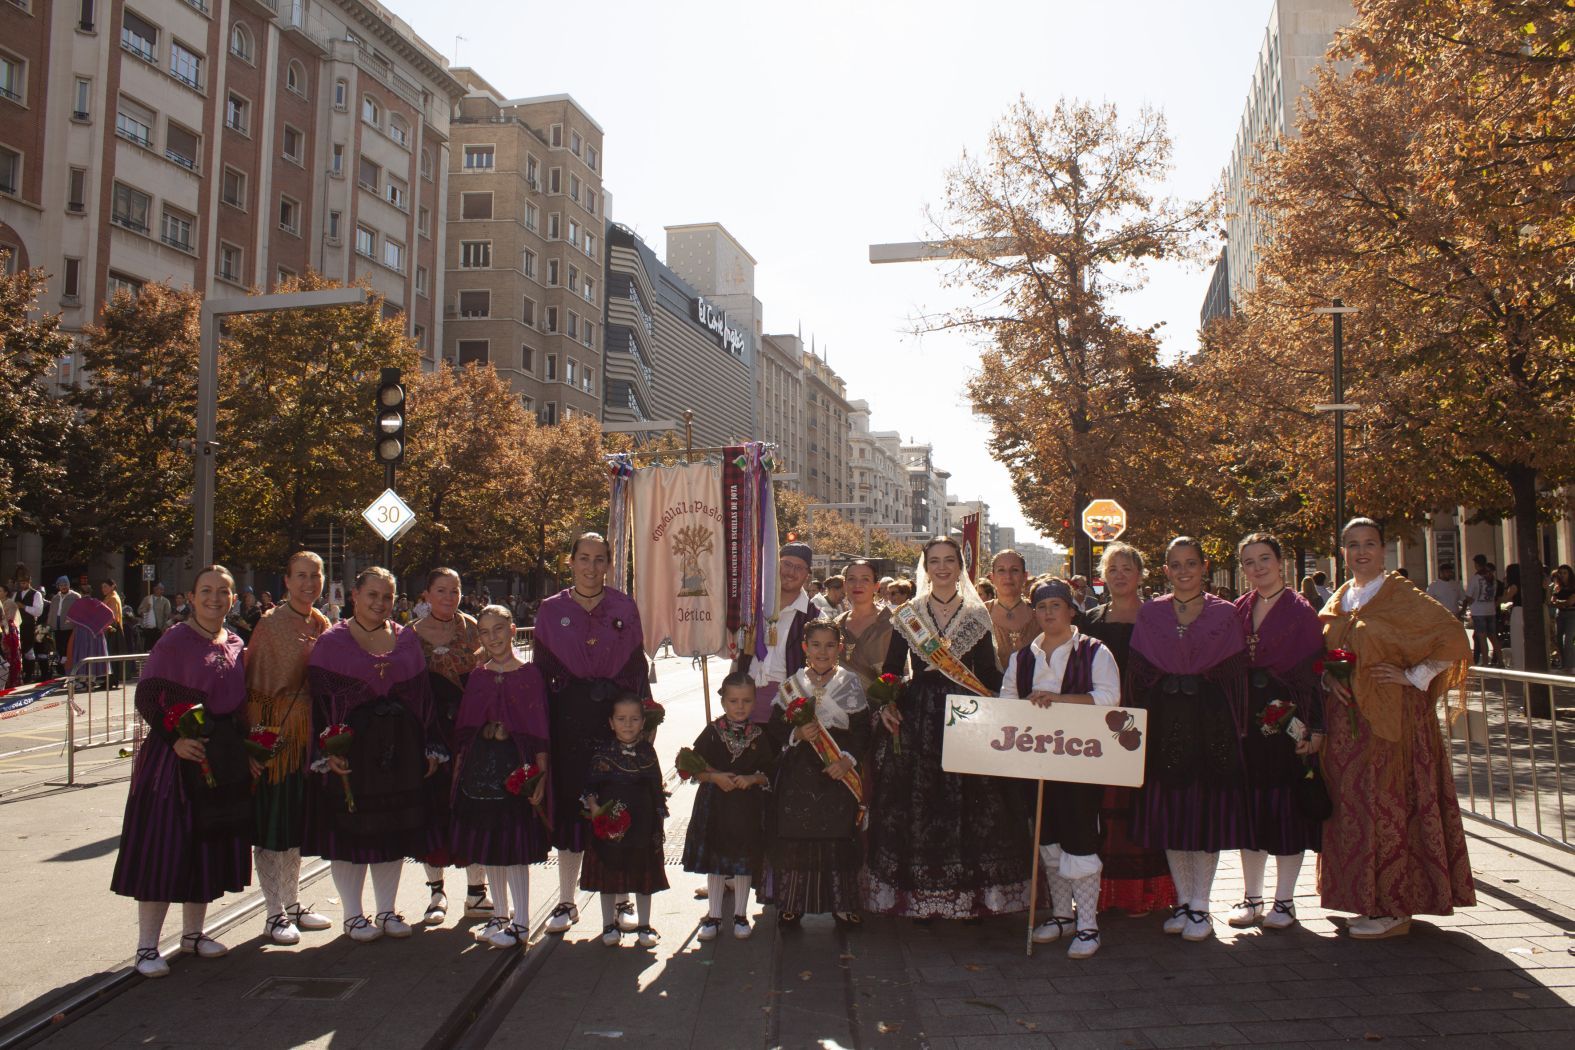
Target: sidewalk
{"points": [[1495, 975]]}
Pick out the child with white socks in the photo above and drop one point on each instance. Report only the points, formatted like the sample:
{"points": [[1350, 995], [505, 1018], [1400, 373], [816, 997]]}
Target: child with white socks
{"points": [[625, 771], [1065, 666]]}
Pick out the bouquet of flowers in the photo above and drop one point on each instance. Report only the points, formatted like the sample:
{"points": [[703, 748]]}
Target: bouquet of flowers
{"points": [[523, 782], [190, 722], [610, 821], [336, 740], [655, 714], [1341, 664], [883, 693], [801, 712], [1276, 717], [689, 764], [262, 744]]}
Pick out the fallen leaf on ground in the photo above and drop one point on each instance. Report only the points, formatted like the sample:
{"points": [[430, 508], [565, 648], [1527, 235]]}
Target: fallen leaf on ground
{"points": [[1028, 1026], [997, 1007], [972, 967], [1372, 1037], [1520, 995], [805, 975], [888, 1027]]}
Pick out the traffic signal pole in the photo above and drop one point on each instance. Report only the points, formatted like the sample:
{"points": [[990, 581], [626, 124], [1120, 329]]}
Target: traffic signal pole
{"points": [[388, 436]]}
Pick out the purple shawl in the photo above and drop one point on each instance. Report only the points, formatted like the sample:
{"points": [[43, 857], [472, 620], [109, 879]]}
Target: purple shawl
{"points": [[516, 698], [595, 644], [1289, 635], [1211, 639], [337, 652], [187, 659]]}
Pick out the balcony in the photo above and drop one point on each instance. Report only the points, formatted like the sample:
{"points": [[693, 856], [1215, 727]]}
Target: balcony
{"points": [[129, 223], [135, 44], [179, 158]]}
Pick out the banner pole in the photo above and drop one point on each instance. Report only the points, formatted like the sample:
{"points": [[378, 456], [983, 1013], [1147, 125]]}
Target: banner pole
{"points": [[705, 684], [1033, 878]]}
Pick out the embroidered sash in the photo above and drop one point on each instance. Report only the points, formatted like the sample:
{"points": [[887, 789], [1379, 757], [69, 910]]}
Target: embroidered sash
{"points": [[934, 650]]}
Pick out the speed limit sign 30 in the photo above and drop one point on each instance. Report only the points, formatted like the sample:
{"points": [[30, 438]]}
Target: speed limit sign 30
{"points": [[389, 516]]}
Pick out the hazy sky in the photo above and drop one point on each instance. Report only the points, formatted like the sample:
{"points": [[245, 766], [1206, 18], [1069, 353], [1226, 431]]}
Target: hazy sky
{"points": [[811, 129]]}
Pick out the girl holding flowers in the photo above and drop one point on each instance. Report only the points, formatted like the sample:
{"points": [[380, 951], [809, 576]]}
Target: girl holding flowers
{"points": [[732, 761], [500, 778], [627, 805], [815, 856], [187, 830]]}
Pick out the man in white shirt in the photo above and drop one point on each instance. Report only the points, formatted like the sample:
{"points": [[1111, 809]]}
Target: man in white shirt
{"points": [[1064, 666], [1446, 590], [60, 626], [784, 632], [153, 616], [1484, 614]]}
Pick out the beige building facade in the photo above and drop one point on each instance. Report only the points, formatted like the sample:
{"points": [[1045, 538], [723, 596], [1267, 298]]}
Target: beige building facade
{"points": [[880, 477]]}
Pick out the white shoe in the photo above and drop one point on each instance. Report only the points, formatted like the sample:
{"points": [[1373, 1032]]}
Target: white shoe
{"points": [[1084, 943], [437, 907], [1248, 914], [626, 918], [1377, 927], [510, 936], [281, 930], [360, 928], [708, 929], [393, 924], [305, 918], [1282, 916], [201, 945], [742, 930], [1050, 931], [478, 905], [484, 933], [562, 917], [647, 937], [151, 964], [1177, 921], [1200, 926], [611, 935]]}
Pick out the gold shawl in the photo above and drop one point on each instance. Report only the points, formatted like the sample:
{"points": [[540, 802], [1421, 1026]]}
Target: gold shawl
{"points": [[277, 697], [1400, 626]]}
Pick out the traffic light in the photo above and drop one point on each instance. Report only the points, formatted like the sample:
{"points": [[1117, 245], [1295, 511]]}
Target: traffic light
{"points": [[389, 428]]}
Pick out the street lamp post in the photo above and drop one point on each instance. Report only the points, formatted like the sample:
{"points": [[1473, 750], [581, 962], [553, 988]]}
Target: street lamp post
{"points": [[213, 311], [1339, 408]]}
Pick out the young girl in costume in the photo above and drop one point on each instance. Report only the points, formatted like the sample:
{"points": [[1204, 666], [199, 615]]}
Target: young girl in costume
{"points": [[815, 853], [726, 840], [624, 772], [501, 729]]}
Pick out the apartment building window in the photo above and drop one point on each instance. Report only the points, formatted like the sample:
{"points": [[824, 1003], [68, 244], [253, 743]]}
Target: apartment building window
{"points": [[574, 188], [365, 241], [569, 369], [421, 336], [532, 172], [554, 226], [398, 194], [590, 245], [426, 164], [590, 289], [336, 159], [134, 123], [13, 78], [589, 338], [399, 131], [528, 264], [552, 272], [371, 112], [82, 99], [232, 189], [185, 65], [527, 362], [575, 142], [121, 283], [341, 94], [10, 171], [574, 325], [71, 280], [130, 208], [230, 263], [551, 375], [555, 180], [475, 255], [241, 42], [532, 217], [289, 215], [76, 190], [140, 37], [574, 232], [475, 205], [555, 136], [588, 379], [592, 158], [473, 350], [295, 78], [335, 222], [549, 414], [284, 275], [423, 220], [475, 303], [293, 143], [182, 146], [85, 16], [421, 280], [237, 113], [551, 318], [574, 279], [479, 158], [590, 200], [394, 255], [369, 174], [178, 227], [528, 313]]}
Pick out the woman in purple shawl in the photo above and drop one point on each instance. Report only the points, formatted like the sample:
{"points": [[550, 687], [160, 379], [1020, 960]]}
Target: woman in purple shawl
{"points": [[1285, 719], [1188, 669], [367, 807], [501, 729], [184, 840], [589, 646]]}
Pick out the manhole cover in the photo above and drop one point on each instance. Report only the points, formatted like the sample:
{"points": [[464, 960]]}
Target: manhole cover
{"points": [[311, 989]]}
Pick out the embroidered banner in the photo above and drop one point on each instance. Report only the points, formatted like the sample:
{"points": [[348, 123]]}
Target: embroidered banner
{"points": [[1079, 743], [970, 545], [680, 567], [735, 500]]}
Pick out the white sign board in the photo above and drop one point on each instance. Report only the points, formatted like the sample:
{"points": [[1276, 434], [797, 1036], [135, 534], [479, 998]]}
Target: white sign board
{"points": [[1078, 743], [389, 516]]}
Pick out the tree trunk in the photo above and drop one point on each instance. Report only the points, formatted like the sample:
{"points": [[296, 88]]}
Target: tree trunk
{"points": [[1523, 486]]}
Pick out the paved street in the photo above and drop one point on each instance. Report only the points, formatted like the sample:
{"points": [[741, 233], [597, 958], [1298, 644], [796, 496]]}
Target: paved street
{"points": [[1496, 975]]}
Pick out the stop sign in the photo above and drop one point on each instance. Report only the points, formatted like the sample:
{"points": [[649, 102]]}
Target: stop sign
{"points": [[1104, 520]]}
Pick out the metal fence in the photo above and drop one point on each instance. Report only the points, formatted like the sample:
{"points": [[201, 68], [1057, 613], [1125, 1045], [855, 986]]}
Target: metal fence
{"points": [[1513, 752], [98, 715]]}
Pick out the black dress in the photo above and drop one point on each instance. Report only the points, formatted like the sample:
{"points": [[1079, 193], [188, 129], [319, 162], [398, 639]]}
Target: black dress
{"points": [[727, 828], [634, 863], [944, 845]]}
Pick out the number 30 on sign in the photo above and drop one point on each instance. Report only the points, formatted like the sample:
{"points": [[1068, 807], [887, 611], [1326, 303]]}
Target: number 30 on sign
{"points": [[389, 516]]}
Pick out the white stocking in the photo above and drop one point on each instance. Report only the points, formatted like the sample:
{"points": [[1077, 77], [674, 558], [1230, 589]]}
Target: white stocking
{"points": [[434, 874], [642, 904], [609, 909], [1085, 891], [191, 916], [350, 882], [1253, 861], [498, 876], [1060, 888], [568, 874], [741, 896], [1181, 874], [476, 875], [1204, 865], [518, 877], [1287, 868], [714, 885], [150, 922], [290, 876], [267, 862], [385, 884]]}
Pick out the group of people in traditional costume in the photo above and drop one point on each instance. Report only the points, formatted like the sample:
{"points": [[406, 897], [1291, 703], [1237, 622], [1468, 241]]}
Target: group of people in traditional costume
{"points": [[821, 785]]}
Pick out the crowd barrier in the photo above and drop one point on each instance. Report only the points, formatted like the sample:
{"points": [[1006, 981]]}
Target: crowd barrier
{"points": [[94, 718]]}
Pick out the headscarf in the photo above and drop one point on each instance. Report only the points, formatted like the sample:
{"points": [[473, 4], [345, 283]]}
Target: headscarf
{"points": [[971, 622]]}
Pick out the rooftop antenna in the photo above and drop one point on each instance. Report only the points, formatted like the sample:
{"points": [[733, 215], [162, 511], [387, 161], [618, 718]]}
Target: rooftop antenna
{"points": [[457, 39]]}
